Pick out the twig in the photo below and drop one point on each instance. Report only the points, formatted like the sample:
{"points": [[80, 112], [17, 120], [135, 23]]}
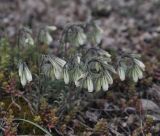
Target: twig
{"points": [[15, 104]]}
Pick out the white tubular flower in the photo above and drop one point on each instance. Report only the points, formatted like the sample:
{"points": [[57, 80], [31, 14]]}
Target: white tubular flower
{"points": [[85, 85], [57, 73], [77, 75], [28, 74], [25, 39], [98, 84], [104, 53], [24, 74], [48, 71], [60, 61], [97, 66], [140, 64], [95, 35], [81, 38], [98, 34], [66, 76], [57, 65], [78, 59], [29, 41], [20, 70], [45, 36], [109, 67], [56, 68], [109, 77], [134, 70], [52, 28], [78, 39], [51, 74], [49, 38], [139, 72], [75, 36], [104, 83], [135, 73], [77, 83], [78, 79], [121, 73], [89, 84]]}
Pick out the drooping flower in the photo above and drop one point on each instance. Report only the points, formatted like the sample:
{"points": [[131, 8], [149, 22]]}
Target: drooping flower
{"points": [[53, 67], [89, 84], [57, 65], [85, 81], [45, 36], [24, 73], [134, 70], [29, 40], [103, 81], [75, 36], [81, 38], [66, 76], [25, 37], [104, 53], [121, 72], [98, 84], [139, 64], [78, 59], [135, 73], [76, 75], [95, 34], [51, 28], [48, 71]]}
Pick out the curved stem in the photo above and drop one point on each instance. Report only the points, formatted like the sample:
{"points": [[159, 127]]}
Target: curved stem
{"points": [[36, 125]]}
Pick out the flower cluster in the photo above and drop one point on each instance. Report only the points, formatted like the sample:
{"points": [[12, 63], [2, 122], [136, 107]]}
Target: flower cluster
{"points": [[44, 35], [89, 68], [25, 38], [93, 73], [72, 70], [97, 74], [133, 70], [74, 35], [94, 33], [53, 66], [80, 34]]}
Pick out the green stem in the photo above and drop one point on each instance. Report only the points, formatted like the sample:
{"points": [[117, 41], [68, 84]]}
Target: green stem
{"points": [[34, 124]]}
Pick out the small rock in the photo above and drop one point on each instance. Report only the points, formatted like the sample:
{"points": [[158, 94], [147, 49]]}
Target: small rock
{"points": [[92, 116], [148, 105]]}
